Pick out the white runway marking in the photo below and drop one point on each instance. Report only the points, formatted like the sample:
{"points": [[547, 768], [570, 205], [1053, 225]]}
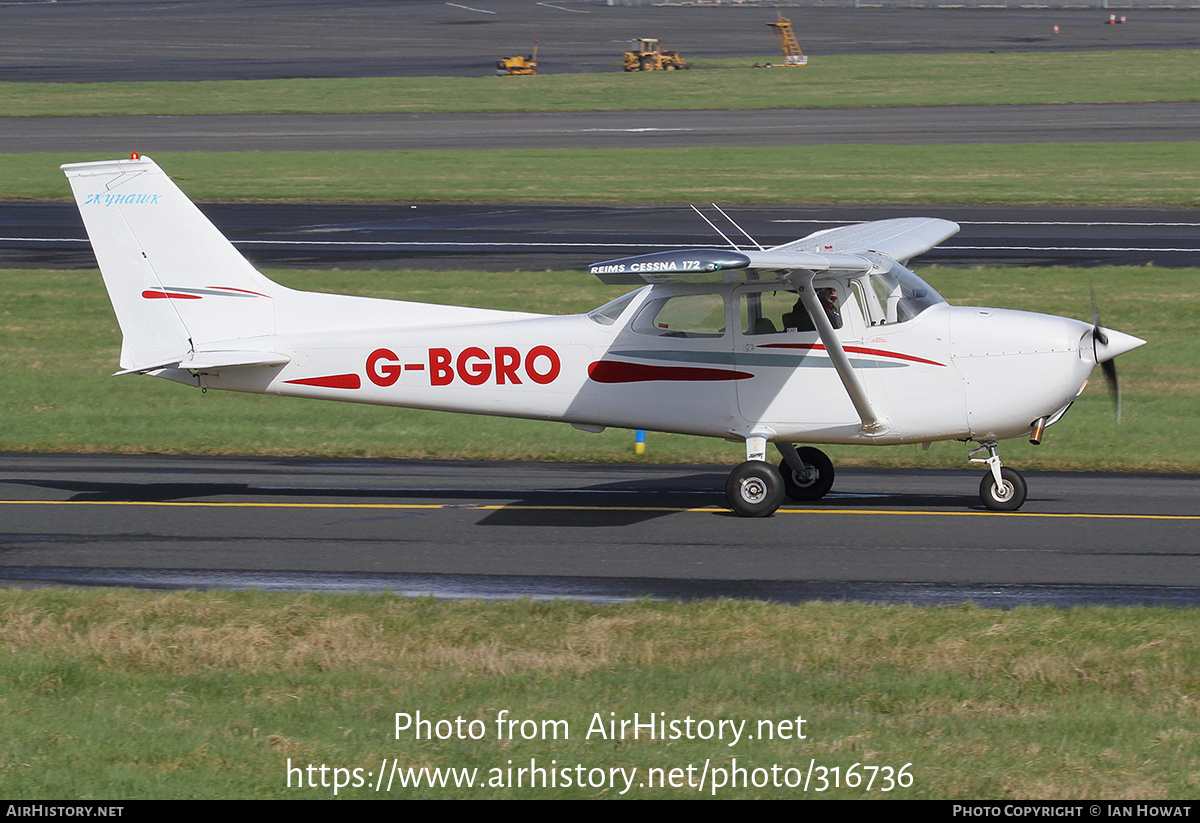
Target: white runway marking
{"points": [[637, 130], [1068, 248], [468, 8], [400, 244], [1009, 222]]}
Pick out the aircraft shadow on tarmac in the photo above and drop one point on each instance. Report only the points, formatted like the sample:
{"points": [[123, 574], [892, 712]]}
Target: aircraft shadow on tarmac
{"points": [[601, 505]]}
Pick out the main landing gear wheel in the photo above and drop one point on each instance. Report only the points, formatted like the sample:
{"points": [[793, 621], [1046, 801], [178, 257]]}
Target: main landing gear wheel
{"points": [[819, 480], [754, 489], [1009, 496]]}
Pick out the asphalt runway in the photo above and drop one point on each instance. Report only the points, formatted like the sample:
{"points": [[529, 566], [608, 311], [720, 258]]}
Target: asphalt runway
{"points": [[505, 237], [106, 40], [600, 532]]}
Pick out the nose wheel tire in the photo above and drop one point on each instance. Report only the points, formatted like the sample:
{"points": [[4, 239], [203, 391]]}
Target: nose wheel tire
{"points": [[754, 489], [820, 476], [1009, 496]]}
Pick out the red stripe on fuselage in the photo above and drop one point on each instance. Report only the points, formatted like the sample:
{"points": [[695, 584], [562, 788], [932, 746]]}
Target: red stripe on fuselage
{"points": [[239, 291], [332, 381], [854, 349], [615, 371], [163, 295]]}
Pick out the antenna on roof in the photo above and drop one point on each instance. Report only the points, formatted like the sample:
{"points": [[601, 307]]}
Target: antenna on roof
{"points": [[718, 231], [736, 226]]}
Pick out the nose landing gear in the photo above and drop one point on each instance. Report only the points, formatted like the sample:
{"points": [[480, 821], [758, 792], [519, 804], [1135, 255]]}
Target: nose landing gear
{"points": [[1002, 489], [807, 472]]}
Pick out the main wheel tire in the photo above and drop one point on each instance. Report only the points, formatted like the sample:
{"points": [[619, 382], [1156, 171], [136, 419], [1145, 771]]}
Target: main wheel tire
{"points": [[754, 489], [1007, 498], [820, 476]]}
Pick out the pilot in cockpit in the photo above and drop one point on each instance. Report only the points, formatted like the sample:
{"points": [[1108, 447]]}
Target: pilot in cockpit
{"points": [[798, 320], [829, 302]]}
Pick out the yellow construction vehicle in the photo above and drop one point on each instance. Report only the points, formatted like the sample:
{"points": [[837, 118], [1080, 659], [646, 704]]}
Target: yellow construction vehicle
{"points": [[518, 65], [648, 57], [792, 56]]}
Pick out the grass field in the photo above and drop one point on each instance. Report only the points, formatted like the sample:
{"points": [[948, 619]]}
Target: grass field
{"points": [[111, 694], [1133, 174], [59, 342], [852, 80]]}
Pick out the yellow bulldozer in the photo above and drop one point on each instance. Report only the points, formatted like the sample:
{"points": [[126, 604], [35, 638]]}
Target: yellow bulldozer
{"points": [[509, 66], [648, 57]]}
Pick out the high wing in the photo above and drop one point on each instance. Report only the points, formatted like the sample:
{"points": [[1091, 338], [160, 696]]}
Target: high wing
{"points": [[901, 239], [838, 249]]}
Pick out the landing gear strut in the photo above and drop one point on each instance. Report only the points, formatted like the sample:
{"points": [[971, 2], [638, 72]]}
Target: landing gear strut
{"points": [[1002, 489]]}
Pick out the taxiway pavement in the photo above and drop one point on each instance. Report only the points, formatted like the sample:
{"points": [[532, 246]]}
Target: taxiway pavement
{"points": [[72, 41], [507, 237], [596, 531]]}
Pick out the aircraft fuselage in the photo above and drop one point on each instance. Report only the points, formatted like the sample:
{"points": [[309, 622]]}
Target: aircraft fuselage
{"points": [[948, 373]]}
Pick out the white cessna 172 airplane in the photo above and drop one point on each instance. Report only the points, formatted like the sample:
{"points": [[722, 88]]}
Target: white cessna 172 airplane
{"points": [[827, 339]]}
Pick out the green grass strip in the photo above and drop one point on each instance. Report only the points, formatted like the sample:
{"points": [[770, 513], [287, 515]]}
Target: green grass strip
{"points": [[852, 80], [59, 343], [1158, 174], [125, 694]]}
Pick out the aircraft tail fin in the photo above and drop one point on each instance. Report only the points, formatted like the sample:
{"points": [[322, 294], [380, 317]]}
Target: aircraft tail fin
{"points": [[175, 282]]}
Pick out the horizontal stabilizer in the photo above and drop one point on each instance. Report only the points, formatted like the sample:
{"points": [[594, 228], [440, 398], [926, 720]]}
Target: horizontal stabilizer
{"points": [[214, 360]]}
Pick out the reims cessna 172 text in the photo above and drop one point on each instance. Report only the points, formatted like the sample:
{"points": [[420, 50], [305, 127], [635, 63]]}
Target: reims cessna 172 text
{"points": [[828, 339]]}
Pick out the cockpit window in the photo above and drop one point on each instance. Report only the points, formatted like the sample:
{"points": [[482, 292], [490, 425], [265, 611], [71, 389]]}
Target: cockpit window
{"points": [[607, 314], [777, 312], [685, 315]]}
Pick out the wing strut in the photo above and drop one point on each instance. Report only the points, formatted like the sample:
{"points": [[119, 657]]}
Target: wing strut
{"points": [[872, 423]]}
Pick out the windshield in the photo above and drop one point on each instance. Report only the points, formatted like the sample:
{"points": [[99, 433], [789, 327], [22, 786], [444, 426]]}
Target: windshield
{"points": [[902, 294]]}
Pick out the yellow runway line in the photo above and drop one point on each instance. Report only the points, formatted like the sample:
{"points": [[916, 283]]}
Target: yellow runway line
{"points": [[526, 507]]}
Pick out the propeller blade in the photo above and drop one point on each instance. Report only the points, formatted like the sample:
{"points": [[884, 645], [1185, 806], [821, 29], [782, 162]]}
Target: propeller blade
{"points": [[1109, 367], [1097, 331], [1108, 345]]}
